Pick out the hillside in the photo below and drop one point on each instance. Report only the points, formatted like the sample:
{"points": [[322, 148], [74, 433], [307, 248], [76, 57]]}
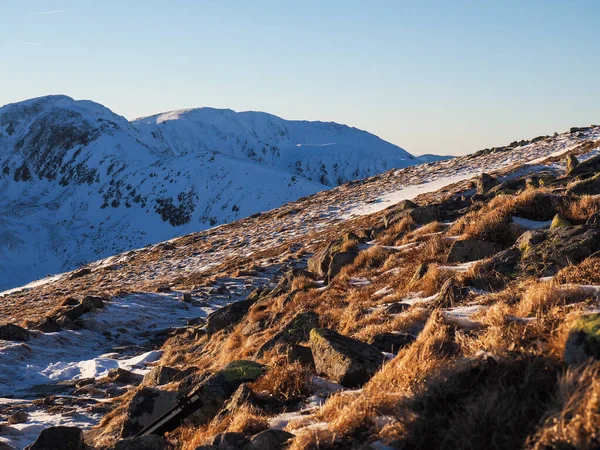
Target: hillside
{"points": [[80, 183], [446, 305]]}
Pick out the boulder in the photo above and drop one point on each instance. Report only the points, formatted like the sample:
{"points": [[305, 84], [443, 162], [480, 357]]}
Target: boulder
{"points": [[342, 359], [485, 182], [160, 375], [397, 212], [583, 341], [294, 332], [47, 325], [123, 376], [472, 250], [147, 405], [230, 441], [594, 219], [271, 440], [424, 214], [228, 316], [338, 261], [214, 390], [572, 162], [63, 438], [300, 354], [17, 417], [590, 186], [12, 332], [504, 262], [80, 273], [150, 442], [559, 221], [541, 207], [92, 302], [391, 342]]}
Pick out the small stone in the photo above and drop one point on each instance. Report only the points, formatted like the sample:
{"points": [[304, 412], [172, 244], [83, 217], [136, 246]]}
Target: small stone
{"points": [[18, 417], [230, 441], [396, 308], [271, 440], [63, 438], [559, 221], [186, 297], [11, 332]]}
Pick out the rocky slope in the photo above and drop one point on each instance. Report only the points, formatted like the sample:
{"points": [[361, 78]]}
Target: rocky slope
{"points": [[80, 183], [427, 307]]}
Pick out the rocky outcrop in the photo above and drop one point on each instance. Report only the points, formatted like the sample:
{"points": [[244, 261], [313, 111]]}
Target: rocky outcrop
{"points": [[63, 438], [150, 442], [583, 341], [331, 260], [230, 441], [160, 375], [228, 316], [572, 163], [472, 250], [559, 221], [11, 332], [485, 182], [342, 359], [294, 332], [450, 293], [271, 440], [147, 405]]}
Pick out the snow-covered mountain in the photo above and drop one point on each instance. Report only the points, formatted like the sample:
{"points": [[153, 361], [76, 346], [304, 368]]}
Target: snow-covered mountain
{"points": [[79, 182]]}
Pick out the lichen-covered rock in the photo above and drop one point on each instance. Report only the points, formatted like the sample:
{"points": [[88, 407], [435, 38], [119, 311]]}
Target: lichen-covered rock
{"points": [[63, 438], [300, 354], [560, 221], [397, 212], [424, 214], [583, 341], [147, 405], [12, 332], [342, 359], [472, 250], [294, 332]]}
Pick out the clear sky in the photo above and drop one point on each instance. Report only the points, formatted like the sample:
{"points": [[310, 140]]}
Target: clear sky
{"points": [[431, 76]]}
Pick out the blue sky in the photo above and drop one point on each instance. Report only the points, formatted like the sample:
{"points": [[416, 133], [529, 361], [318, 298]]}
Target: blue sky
{"points": [[430, 76]]}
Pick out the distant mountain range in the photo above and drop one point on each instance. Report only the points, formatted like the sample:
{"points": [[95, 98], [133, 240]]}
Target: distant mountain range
{"points": [[79, 182]]}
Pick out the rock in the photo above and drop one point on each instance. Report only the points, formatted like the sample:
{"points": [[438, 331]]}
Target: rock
{"points": [[80, 273], [69, 301], [572, 162], [300, 354], [163, 289], [63, 438], [541, 207], [91, 302], [230, 441], [186, 297], [419, 273], [228, 316], [396, 308], [583, 341], [294, 332], [485, 182], [338, 261], [147, 405], [11, 332], [216, 389], [119, 375], [17, 417], [424, 214], [47, 325], [450, 293], [342, 359], [160, 375], [391, 342], [559, 221], [594, 219], [467, 250], [504, 262], [150, 442], [206, 447], [397, 212], [271, 440]]}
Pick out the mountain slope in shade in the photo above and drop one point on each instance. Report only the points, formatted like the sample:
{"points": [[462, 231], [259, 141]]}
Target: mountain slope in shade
{"points": [[79, 182]]}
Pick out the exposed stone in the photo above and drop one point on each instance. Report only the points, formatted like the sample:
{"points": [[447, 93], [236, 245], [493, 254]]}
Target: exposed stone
{"points": [[342, 359], [294, 332], [271, 440], [338, 261], [119, 375], [391, 342], [472, 250], [583, 341], [485, 182], [419, 272], [228, 316], [47, 325], [19, 416], [300, 354], [150, 442], [80, 273], [160, 375], [560, 221], [396, 308], [186, 297], [147, 405], [230, 441], [424, 214], [541, 207], [572, 162], [450, 293], [12, 332], [63, 438], [92, 302], [319, 262], [594, 219], [397, 212]]}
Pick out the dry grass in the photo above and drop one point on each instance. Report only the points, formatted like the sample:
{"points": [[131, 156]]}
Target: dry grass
{"points": [[580, 209], [541, 297], [288, 382]]}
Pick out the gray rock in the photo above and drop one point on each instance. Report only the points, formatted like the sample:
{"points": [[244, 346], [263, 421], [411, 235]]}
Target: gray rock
{"points": [[230, 441], [583, 341], [485, 182], [391, 342], [17, 417], [147, 405], [572, 162], [450, 293], [63, 438], [11, 332], [150, 442], [228, 316], [160, 375], [396, 308], [339, 260], [271, 440], [424, 214], [294, 332], [342, 359], [467, 250], [300, 354]]}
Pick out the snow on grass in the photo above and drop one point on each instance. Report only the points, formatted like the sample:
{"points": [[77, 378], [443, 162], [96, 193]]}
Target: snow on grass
{"points": [[461, 268], [531, 224]]}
